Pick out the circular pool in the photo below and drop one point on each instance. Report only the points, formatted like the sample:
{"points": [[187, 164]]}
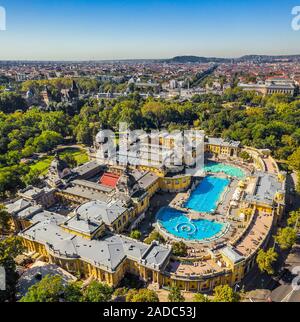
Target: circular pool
{"points": [[176, 223]]}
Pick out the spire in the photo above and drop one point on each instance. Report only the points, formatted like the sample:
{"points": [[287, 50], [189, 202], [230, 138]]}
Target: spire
{"points": [[74, 86]]}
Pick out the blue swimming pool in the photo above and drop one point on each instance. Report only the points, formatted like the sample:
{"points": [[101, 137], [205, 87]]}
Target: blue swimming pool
{"points": [[217, 167], [178, 224], [207, 194]]}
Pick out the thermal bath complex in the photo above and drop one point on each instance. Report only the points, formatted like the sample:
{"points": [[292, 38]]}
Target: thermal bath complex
{"points": [[225, 215]]}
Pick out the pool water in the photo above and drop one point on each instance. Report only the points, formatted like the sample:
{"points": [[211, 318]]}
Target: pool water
{"points": [[217, 167], [206, 196], [178, 224]]}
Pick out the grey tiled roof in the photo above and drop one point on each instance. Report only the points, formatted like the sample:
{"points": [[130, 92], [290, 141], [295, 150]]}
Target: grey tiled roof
{"points": [[91, 215], [267, 185], [222, 142], [29, 211], [17, 206], [107, 252]]}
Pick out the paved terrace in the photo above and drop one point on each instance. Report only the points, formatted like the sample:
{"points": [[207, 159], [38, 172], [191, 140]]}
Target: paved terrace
{"points": [[270, 167], [255, 234], [189, 268]]}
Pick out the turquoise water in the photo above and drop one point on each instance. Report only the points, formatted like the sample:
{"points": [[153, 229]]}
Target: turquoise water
{"points": [[217, 167], [207, 194], [178, 224]]}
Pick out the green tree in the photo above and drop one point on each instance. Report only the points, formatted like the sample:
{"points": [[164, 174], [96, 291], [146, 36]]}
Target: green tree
{"points": [[49, 289], [70, 160], [286, 237], [32, 177], [265, 260], [294, 219], [9, 248], [179, 249], [11, 101], [294, 162], [142, 295], [136, 234], [224, 293], [73, 292], [97, 292], [175, 295], [4, 219], [155, 235], [198, 297], [28, 151], [245, 156], [47, 140]]}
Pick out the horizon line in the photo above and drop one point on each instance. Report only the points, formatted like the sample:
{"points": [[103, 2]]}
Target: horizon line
{"points": [[149, 59]]}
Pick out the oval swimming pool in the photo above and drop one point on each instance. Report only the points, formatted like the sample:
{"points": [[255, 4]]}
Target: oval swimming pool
{"points": [[218, 167], [178, 224]]}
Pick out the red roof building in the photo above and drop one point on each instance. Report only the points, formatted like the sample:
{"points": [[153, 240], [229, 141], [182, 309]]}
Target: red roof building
{"points": [[109, 179]]}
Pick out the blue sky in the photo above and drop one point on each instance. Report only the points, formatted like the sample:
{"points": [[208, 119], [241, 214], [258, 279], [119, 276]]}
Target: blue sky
{"points": [[116, 29]]}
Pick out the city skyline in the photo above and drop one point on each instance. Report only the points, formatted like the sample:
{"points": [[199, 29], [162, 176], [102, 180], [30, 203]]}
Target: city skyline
{"points": [[153, 29]]}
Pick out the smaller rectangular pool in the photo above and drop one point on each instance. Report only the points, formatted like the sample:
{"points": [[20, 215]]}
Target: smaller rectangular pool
{"points": [[207, 194]]}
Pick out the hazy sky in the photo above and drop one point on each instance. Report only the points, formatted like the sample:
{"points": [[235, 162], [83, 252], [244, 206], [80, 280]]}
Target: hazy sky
{"points": [[115, 29]]}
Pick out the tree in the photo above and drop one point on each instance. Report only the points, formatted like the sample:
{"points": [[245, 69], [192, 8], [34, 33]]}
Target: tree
{"points": [[9, 248], [224, 293], [32, 177], [179, 249], [142, 295], [11, 101], [47, 140], [136, 234], [286, 237], [70, 160], [294, 162], [199, 297], [10, 179], [73, 292], [245, 156], [49, 289], [294, 219], [97, 292], [4, 219], [265, 260], [154, 236], [175, 295]]}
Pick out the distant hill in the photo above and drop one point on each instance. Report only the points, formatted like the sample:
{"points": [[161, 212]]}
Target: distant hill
{"points": [[196, 59], [255, 58]]}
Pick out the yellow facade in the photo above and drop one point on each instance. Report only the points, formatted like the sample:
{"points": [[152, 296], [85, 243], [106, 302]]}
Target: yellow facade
{"points": [[175, 184]]}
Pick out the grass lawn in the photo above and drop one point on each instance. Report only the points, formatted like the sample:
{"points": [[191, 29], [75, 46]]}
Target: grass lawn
{"points": [[43, 164]]}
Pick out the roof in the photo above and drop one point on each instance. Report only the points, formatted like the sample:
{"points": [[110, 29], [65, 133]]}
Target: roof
{"points": [[88, 167], [46, 216], [91, 215], [39, 270], [232, 254], [222, 142], [85, 193], [107, 253], [109, 179], [92, 185], [267, 185], [144, 179], [17, 206], [29, 211]]}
